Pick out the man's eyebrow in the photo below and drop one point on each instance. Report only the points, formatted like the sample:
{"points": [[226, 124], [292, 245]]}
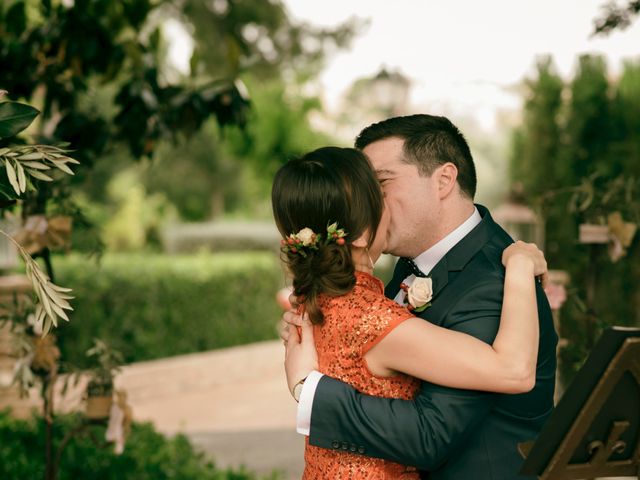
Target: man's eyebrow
{"points": [[384, 172]]}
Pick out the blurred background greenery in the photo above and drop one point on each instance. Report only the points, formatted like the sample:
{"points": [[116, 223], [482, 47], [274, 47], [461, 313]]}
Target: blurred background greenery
{"points": [[172, 227], [177, 156]]}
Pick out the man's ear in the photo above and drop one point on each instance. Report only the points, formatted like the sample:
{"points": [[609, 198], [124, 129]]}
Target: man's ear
{"points": [[362, 241], [447, 178]]}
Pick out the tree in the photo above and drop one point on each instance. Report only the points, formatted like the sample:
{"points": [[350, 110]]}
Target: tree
{"points": [[625, 109], [198, 177], [233, 169], [100, 73], [616, 17], [585, 172], [536, 146], [53, 53], [234, 37], [588, 123]]}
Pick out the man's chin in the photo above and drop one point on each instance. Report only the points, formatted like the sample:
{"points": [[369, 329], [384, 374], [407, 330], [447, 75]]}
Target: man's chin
{"points": [[390, 251]]}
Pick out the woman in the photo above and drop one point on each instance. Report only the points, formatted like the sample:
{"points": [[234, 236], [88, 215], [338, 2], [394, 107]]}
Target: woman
{"points": [[328, 206]]}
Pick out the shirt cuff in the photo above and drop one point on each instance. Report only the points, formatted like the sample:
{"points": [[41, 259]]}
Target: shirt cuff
{"points": [[303, 417]]}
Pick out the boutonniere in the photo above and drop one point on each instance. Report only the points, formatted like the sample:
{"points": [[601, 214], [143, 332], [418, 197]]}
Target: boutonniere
{"points": [[419, 294]]}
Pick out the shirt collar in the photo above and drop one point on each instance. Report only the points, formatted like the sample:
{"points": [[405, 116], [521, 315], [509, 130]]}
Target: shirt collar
{"points": [[429, 258]]}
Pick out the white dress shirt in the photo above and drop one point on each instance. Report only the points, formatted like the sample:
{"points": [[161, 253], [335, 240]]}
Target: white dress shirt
{"points": [[425, 262]]}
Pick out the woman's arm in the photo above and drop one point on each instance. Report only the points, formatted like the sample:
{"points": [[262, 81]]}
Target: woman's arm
{"points": [[438, 355]]}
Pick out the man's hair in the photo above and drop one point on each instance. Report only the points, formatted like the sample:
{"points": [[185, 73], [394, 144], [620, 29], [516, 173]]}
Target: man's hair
{"points": [[429, 141]]}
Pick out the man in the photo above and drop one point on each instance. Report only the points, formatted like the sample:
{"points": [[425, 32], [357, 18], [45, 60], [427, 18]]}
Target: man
{"points": [[428, 178]]}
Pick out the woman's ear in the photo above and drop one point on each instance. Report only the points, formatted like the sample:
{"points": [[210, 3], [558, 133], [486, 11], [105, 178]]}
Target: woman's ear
{"points": [[362, 241]]}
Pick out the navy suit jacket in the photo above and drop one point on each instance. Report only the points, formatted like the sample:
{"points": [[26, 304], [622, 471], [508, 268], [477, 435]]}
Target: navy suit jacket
{"points": [[451, 433]]}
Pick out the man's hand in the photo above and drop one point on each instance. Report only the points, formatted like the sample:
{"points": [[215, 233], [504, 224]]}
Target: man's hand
{"points": [[301, 356]]}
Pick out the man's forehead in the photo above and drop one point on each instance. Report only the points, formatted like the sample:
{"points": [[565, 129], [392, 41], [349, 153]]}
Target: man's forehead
{"points": [[385, 154]]}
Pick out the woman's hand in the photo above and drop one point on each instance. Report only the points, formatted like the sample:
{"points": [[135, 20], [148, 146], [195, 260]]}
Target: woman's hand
{"points": [[530, 251]]}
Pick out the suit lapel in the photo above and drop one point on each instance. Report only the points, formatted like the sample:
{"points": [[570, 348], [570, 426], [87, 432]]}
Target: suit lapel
{"points": [[439, 276], [457, 258]]}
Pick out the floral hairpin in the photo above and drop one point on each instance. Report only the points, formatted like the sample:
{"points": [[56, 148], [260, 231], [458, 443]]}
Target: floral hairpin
{"points": [[335, 234], [306, 239]]}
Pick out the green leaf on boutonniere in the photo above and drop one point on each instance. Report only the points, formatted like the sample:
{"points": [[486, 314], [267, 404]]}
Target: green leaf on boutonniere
{"points": [[422, 308]]}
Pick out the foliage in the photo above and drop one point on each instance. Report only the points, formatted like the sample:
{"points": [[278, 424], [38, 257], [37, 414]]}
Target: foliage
{"points": [[152, 306], [535, 167], [616, 17], [236, 36], [278, 128], [577, 157], [148, 454], [132, 218], [201, 180], [67, 53], [24, 165], [105, 364], [59, 49], [220, 172]]}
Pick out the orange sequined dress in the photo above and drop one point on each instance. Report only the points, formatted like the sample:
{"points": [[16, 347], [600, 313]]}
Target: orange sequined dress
{"points": [[353, 324]]}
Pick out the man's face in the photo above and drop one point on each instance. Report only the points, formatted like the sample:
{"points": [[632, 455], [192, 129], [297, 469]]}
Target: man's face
{"points": [[412, 199]]}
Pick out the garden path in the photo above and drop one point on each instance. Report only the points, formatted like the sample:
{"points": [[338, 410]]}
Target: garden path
{"points": [[233, 403]]}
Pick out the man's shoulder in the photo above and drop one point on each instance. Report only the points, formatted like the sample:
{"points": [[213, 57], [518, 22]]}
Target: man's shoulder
{"points": [[479, 254], [486, 265]]}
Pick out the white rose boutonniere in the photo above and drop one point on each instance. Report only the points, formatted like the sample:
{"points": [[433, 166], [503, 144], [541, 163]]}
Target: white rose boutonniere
{"points": [[419, 294]]}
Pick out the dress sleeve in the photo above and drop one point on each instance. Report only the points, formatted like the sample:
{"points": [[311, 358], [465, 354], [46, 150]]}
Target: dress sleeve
{"points": [[381, 317]]}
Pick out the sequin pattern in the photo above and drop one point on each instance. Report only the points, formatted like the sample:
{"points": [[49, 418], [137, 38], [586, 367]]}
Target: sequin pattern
{"points": [[353, 323]]}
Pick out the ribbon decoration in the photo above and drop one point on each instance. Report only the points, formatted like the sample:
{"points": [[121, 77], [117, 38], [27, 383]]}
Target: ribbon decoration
{"points": [[39, 232], [621, 235], [120, 418]]}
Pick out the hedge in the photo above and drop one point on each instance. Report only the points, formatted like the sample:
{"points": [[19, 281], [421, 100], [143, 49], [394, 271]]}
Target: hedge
{"points": [[148, 455], [154, 306]]}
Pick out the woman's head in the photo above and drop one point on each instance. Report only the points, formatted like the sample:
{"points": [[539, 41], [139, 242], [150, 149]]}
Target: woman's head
{"points": [[326, 186]]}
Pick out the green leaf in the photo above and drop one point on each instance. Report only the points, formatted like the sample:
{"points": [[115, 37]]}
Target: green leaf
{"points": [[11, 175], [32, 156], [62, 166], [40, 175], [36, 165], [15, 117], [422, 308], [22, 179]]}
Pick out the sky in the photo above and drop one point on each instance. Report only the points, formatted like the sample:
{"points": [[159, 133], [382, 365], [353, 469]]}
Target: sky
{"points": [[463, 57]]}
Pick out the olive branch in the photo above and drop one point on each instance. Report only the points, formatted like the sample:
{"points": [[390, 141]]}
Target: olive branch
{"points": [[52, 298], [34, 160]]}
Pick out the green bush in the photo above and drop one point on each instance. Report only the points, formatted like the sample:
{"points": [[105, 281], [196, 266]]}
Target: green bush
{"points": [[148, 455], [153, 306]]}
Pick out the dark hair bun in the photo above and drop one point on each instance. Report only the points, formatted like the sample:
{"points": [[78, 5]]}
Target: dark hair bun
{"points": [[330, 185], [328, 270]]}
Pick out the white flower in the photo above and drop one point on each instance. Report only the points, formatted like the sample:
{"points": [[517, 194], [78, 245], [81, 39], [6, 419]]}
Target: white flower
{"points": [[306, 236], [420, 292]]}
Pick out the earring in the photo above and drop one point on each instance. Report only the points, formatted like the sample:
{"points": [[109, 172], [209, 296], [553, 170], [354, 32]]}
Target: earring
{"points": [[371, 265]]}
